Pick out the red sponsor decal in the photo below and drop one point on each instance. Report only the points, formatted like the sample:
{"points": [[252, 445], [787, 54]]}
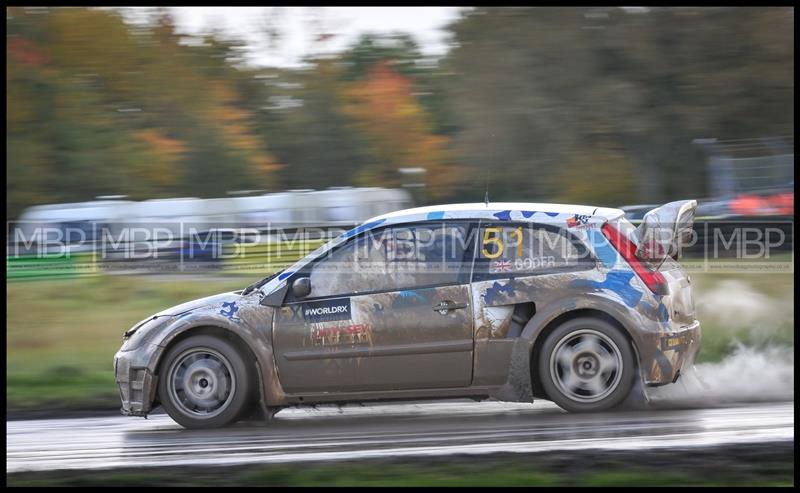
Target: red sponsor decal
{"points": [[335, 333]]}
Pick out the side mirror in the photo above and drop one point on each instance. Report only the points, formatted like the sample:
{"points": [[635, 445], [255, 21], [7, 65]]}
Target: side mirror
{"points": [[301, 287]]}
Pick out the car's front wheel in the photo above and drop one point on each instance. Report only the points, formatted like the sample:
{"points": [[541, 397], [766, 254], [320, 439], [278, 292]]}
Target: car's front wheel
{"points": [[204, 382], [587, 364]]}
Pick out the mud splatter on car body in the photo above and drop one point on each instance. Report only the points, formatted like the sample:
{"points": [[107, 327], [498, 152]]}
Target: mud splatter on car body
{"points": [[475, 335]]}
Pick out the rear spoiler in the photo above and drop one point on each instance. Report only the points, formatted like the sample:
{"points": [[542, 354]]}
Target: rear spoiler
{"points": [[664, 230]]}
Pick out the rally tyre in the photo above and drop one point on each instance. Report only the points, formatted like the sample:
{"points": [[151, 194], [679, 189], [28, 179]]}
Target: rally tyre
{"points": [[587, 364], [204, 383]]}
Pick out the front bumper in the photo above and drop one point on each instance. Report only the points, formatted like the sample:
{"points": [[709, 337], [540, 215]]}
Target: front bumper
{"points": [[671, 354], [136, 384]]}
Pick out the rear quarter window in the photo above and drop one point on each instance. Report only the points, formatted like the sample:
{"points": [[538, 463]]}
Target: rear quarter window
{"points": [[509, 250]]}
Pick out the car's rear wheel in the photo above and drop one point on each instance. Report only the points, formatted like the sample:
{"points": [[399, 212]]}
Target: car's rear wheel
{"points": [[204, 382], [587, 364]]}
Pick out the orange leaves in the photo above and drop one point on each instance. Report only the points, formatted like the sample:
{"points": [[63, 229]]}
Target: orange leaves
{"points": [[236, 125], [165, 168], [162, 145], [384, 96], [397, 130], [125, 108], [25, 52]]}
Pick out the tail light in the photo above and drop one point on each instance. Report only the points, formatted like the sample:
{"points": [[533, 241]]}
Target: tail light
{"points": [[654, 280]]}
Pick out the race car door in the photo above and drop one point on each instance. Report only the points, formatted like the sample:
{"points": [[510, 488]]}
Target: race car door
{"points": [[388, 310]]}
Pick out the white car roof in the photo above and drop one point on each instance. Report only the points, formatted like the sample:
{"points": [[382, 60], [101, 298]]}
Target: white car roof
{"points": [[483, 210]]}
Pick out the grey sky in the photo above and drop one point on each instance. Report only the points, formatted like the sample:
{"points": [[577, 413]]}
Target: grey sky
{"points": [[301, 28]]}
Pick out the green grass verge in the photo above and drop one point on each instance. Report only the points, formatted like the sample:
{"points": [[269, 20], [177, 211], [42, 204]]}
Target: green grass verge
{"points": [[62, 334], [748, 465], [753, 309]]}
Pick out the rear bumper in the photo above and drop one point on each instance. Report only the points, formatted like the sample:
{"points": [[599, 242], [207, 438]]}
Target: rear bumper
{"points": [[671, 354]]}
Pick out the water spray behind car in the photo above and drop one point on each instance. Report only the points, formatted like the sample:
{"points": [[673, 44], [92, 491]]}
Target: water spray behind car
{"points": [[758, 371]]}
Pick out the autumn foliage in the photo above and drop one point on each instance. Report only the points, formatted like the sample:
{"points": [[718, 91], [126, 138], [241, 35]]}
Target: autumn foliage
{"points": [[397, 131], [575, 104]]}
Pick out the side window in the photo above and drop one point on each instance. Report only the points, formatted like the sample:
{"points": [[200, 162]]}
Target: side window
{"points": [[507, 250], [392, 259]]}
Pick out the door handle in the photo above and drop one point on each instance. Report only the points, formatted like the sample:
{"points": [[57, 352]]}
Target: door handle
{"points": [[446, 306]]}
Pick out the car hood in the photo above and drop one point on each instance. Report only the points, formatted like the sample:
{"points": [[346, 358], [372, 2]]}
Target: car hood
{"points": [[199, 303]]}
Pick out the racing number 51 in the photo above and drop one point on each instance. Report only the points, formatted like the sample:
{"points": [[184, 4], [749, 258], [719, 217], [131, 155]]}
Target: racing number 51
{"points": [[496, 240]]}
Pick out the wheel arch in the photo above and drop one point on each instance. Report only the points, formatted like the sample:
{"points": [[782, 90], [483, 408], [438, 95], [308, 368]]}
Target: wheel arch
{"points": [[236, 339], [550, 326]]}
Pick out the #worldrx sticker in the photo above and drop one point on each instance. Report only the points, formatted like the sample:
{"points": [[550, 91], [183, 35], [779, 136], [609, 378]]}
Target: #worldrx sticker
{"points": [[327, 310]]}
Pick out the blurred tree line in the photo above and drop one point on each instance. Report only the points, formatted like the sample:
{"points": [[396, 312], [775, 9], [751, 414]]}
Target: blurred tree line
{"points": [[588, 105]]}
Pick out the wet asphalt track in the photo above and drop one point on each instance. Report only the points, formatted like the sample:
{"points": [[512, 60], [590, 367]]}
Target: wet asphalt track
{"points": [[381, 430]]}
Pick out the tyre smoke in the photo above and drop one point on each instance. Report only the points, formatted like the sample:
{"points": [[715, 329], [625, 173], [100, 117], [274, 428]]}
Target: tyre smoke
{"points": [[760, 369], [747, 375]]}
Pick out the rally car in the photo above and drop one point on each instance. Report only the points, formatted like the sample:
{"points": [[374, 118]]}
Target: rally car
{"points": [[511, 301]]}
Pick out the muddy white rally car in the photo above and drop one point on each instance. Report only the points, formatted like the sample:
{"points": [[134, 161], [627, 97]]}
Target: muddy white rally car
{"points": [[512, 301]]}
